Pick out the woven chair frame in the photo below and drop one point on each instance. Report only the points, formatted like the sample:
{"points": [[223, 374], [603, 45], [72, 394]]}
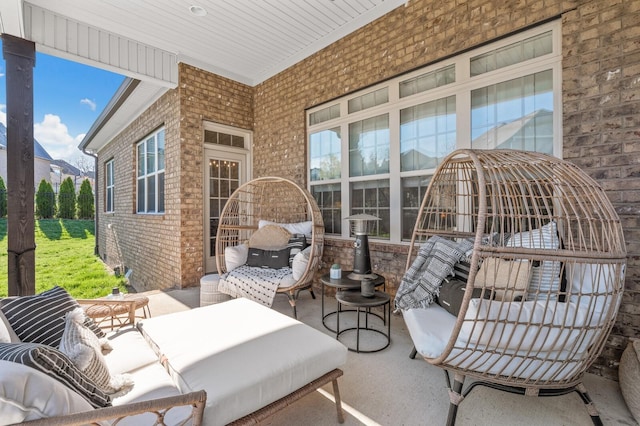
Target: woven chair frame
{"points": [[490, 195], [274, 199]]}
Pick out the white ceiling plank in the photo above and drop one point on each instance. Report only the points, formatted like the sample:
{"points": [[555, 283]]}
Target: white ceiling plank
{"points": [[247, 40]]}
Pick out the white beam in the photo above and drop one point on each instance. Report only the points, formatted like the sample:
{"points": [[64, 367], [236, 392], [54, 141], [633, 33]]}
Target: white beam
{"points": [[63, 37]]}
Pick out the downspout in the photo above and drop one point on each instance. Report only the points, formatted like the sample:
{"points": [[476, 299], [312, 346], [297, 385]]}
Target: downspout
{"points": [[96, 231]]}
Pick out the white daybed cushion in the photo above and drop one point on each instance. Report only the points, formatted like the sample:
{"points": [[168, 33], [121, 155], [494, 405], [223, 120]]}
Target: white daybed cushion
{"points": [[243, 354], [130, 351], [151, 382], [7, 335], [29, 394], [305, 228]]}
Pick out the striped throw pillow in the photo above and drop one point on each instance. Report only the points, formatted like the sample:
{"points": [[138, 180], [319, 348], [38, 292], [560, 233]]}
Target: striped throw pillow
{"points": [[40, 318], [56, 365], [296, 244]]}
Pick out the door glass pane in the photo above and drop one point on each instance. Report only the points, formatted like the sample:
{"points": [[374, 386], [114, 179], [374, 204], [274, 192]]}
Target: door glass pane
{"points": [[223, 180], [369, 146], [325, 154], [427, 134], [516, 114]]}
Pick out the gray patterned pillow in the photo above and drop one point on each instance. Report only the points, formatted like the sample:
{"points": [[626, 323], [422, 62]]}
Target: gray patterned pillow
{"points": [[40, 318], [56, 365], [84, 349]]}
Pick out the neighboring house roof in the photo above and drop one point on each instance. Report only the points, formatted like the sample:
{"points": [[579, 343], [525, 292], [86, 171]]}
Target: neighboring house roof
{"points": [[38, 150], [500, 137], [67, 168]]}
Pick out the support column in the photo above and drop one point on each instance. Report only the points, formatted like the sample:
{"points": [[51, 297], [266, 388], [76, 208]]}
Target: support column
{"points": [[19, 55]]}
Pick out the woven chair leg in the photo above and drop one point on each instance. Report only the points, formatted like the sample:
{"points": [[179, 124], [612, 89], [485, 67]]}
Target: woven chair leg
{"points": [[292, 302], [336, 396], [591, 407], [413, 353], [455, 397]]}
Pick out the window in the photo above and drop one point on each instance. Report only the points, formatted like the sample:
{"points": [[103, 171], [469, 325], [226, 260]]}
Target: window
{"points": [[375, 151], [150, 173], [109, 186]]}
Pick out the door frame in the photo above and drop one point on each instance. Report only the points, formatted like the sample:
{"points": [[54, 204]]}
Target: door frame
{"points": [[221, 152]]}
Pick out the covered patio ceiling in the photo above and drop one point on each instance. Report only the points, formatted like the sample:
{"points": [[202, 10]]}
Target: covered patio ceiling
{"points": [[244, 40]]}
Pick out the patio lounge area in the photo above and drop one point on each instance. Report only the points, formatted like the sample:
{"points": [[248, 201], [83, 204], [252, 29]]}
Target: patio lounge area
{"points": [[389, 388]]}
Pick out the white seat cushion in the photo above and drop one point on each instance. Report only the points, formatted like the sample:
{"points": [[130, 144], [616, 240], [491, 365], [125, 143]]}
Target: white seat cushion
{"points": [[130, 352], [243, 354], [430, 329]]}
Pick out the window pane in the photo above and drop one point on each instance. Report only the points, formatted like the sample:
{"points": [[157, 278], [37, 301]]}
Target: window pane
{"points": [[324, 159], [428, 81], [328, 198], [161, 150], [514, 53], [515, 114], [161, 192], [141, 196], [141, 160], [151, 155], [372, 197], [427, 134], [369, 100], [413, 189], [325, 114], [369, 146], [151, 194], [109, 203], [237, 141]]}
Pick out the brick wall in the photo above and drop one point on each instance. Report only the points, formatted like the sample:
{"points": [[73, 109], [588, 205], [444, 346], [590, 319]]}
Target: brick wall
{"points": [[601, 103], [166, 250], [203, 97], [147, 244]]}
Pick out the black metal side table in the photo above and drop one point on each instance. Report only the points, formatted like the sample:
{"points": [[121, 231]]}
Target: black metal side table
{"points": [[355, 300], [343, 283]]}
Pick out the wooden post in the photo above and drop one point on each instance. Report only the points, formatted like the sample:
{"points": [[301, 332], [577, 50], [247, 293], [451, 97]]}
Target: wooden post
{"points": [[19, 55]]}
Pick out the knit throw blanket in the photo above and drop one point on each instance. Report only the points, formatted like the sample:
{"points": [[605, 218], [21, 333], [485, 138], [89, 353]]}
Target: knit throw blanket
{"points": [[434, 262], [250, 282]]}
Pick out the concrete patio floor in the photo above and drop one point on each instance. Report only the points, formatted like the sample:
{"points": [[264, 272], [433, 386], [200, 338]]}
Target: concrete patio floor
{"points": [[389, 388]]}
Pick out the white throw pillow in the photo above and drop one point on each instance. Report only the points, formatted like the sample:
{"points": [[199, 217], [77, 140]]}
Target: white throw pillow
{"points": [[235, 256], [84, 349], [7, 335], [305, 228], [29, 394], [299, 264], [545, 278]]}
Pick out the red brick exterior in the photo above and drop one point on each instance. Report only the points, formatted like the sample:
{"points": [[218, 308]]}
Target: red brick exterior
{"points": [[601, 125]]}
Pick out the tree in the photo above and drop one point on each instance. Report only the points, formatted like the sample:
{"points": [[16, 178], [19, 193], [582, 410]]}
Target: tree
{"points": [[45, 200], [3, 198], [67, 200], [85, 201]]}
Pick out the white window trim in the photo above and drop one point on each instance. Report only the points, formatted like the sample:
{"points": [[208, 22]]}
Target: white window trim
{"points": [[109, 170], [461, 89], [155, 173]]}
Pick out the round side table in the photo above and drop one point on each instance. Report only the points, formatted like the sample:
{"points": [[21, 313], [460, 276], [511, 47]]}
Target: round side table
{"points": [[343, 283], [363, 304]]}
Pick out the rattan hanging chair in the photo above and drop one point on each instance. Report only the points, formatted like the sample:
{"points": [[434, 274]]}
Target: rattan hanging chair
{"points": [[272, 199], [544, 273]]}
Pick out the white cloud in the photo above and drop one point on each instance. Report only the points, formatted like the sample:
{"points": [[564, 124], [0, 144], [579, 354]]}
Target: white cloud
{"points": [[91, 104], [54, 136], [3, 114]]}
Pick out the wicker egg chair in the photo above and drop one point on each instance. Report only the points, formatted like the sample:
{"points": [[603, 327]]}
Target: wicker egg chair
{"points": [[273, 199], [544, 277]]}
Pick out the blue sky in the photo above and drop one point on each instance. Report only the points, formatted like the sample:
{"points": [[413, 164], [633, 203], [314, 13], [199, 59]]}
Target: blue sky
{"points": [[68, 97]]}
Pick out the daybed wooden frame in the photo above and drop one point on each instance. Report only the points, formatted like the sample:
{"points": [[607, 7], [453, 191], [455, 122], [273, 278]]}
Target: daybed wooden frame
{"points": [[278, 200], [490, 196]]}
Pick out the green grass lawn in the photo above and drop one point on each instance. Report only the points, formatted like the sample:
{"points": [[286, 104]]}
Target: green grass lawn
{"points": [[64, 257]]}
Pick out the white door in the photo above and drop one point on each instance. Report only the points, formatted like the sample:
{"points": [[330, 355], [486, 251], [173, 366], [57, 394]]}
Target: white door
{"points": [[226, 168]]}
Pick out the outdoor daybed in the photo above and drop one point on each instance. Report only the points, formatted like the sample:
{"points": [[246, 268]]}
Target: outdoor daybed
{"points": [[245, 360]]}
